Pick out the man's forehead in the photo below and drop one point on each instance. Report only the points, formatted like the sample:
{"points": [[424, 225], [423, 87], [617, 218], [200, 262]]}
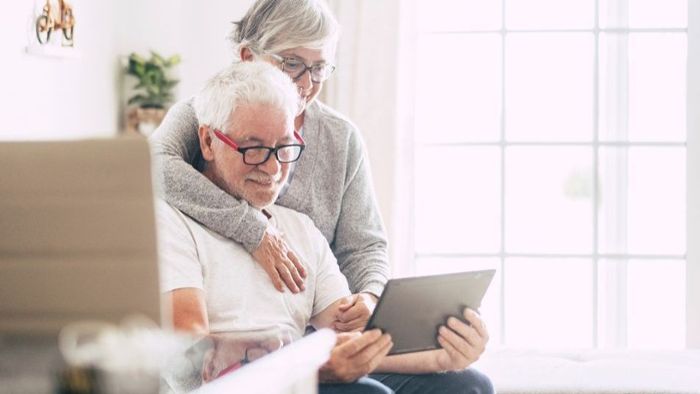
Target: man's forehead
{"points": [[258, 122]]}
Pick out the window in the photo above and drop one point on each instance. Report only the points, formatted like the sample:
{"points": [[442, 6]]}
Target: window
{"points": [[551, 143]]}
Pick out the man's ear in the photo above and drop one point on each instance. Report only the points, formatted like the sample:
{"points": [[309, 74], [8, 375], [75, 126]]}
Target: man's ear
{"points": [[205, 142], [246, 53]]}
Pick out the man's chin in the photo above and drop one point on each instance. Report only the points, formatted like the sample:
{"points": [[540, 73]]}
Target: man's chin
{"points": [[262, 200]]}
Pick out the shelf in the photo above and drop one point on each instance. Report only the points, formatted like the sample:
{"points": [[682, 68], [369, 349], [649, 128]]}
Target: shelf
{"points": [[53, 51]]}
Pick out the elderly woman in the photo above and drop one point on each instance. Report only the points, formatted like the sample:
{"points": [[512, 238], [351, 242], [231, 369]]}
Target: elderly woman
{"points": [[330, 183]]}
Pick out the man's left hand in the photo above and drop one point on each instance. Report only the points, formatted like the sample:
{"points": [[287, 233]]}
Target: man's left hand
{"points": [[354, 312], [462, 343]]}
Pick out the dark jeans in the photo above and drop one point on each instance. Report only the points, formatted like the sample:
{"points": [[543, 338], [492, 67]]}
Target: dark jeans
{"points": [[468, 381]]}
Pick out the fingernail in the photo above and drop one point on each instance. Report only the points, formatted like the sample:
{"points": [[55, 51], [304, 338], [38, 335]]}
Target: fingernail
{"points": [[443, 330]]}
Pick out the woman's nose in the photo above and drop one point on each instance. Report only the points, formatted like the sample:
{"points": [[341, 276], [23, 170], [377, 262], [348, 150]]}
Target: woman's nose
{"points": [[304, 82]]}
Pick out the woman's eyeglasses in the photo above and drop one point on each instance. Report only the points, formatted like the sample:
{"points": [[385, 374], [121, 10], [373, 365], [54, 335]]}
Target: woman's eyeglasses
{"points": [[295, 68]]}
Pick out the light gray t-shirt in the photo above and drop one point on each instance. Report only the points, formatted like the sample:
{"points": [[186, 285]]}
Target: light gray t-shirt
{"points": [[238, 293], [331, 184]]}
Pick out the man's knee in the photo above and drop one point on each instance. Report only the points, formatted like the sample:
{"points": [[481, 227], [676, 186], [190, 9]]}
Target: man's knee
{"points": [[362, 386], [468, 381]]}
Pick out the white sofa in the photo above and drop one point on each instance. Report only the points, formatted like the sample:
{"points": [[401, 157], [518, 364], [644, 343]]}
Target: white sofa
{"points": [[599, 372]]}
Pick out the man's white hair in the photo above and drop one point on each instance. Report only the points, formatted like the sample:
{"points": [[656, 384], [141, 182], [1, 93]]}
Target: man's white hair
{"points": [[277, 25], [245, 83]]}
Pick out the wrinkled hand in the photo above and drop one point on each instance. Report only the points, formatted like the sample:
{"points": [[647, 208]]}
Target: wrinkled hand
{"points": [[355, 355], [354, 312], [280, 262], [462, 344]]}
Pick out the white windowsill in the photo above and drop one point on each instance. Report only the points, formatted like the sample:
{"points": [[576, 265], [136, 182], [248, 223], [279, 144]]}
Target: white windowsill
{"points": [[592, 371]]}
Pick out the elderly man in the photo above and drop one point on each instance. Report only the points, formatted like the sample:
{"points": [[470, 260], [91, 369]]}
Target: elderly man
{"points": [[248, 142]]}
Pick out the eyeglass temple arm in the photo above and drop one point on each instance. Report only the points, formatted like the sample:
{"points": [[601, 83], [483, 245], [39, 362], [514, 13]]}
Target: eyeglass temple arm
{"points": [[226, 140], [298, 137]]}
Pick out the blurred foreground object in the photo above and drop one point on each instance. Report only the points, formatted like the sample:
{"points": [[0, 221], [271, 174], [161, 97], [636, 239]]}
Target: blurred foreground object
{"points": [[78, 237]]}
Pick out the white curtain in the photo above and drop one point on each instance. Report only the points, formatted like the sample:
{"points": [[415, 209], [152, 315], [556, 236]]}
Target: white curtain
{"points": [[371, 87]]}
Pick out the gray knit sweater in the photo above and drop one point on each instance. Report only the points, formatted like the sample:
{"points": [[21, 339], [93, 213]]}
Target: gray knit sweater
{"points": [[331, 183]]}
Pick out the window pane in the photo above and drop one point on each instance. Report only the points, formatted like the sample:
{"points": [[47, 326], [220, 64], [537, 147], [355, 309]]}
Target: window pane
{"points": [[459, 91], [459, 15], [656, 304], [549, 14], [549, 87], [457, 206], [548, 200], [657, 78], [644, 13], [642, 87], [642, 203], [490, 306], [549, 303]]}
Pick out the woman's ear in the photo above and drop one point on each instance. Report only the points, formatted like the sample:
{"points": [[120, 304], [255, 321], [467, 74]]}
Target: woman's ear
{"points": [[246, 54], [205, 142]]}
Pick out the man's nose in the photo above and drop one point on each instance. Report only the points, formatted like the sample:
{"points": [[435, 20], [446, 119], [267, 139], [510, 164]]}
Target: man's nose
{"points": [[271, 166]]}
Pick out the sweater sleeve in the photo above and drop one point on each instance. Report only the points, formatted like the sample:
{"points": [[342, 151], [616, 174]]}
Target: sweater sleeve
{"points": [[175, 146], [360, 243]]}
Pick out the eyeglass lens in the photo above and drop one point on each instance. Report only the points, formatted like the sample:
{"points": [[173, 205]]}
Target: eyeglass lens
{"points": [[283, 154], [296, 68]]}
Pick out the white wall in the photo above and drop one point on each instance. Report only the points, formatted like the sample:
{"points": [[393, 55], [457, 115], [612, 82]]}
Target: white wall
{"points": [[58, 98], [55, 98], [195, 30]]}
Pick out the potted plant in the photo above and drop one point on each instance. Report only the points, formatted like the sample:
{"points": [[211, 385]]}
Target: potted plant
{"points": [[152, 93]]}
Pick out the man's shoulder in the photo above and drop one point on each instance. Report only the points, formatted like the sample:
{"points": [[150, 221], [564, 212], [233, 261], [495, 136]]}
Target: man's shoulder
{"points": [[287, 217], [164, 210], [169, 218]]}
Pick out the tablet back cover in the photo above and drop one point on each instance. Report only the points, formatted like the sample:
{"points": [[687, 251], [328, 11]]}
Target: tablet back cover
{"points": [[412, 309]]}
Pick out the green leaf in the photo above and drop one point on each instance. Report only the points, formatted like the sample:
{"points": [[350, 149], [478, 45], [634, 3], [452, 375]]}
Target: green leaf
{"points": [[157, 59], [154, 87], [134, 57], [136, 99], [173, 60]]}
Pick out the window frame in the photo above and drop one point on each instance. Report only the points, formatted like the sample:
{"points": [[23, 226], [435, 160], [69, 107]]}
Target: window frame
{"points": [[692, 145], [693, 179]]}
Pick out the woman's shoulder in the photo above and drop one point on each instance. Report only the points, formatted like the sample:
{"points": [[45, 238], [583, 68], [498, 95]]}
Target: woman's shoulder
{"points": [[331, 119], [337, 128]]}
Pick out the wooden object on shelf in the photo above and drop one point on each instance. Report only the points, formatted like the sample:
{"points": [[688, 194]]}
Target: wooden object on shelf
{"points": [[143, 121]]}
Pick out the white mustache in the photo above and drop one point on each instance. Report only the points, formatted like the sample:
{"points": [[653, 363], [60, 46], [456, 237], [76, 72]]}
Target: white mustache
{"points": [[263, 178]]}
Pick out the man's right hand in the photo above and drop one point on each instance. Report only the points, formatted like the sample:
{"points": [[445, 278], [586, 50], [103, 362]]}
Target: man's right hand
{"points": [[355, 355], [280, 263]]}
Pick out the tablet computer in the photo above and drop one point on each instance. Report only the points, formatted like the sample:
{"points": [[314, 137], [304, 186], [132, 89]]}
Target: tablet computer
{"points": [[412, 309]]}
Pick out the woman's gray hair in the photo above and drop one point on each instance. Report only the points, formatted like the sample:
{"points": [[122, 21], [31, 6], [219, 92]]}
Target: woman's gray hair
{"points": [[245, 83], [276, 25]]}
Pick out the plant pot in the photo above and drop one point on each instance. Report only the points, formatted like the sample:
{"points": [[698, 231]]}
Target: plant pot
{"points": [[143, 121]]}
